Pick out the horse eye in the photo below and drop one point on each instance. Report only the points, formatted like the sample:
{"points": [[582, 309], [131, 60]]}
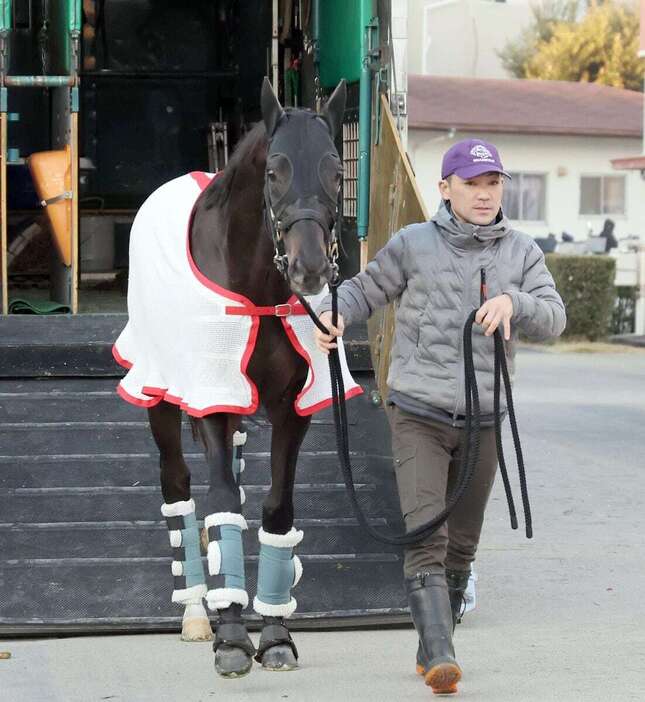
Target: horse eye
{"points": [[271, 174]]}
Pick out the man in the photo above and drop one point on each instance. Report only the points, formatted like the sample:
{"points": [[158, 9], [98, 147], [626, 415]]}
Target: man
{"points": [[435, 273]]}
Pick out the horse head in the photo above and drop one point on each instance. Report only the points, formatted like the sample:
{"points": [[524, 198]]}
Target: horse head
{"points": [[302, 188]]}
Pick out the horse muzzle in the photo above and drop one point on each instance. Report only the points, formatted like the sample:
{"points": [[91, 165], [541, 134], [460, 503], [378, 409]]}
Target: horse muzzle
{"points": [[307, 280]]}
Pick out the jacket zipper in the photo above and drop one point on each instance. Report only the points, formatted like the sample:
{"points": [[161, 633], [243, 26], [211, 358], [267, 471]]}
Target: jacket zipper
{"points": [[465, 301]]}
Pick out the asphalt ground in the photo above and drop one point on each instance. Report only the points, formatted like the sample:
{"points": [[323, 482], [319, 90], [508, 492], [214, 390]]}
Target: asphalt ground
{"points": [[559, 618]]}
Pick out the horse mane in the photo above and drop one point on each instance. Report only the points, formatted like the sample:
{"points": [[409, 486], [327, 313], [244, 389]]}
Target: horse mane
{"points": [[248, 148]]}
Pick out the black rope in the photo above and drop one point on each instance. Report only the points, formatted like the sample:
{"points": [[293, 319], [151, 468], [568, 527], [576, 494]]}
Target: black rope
{"points": [[470, 440]]}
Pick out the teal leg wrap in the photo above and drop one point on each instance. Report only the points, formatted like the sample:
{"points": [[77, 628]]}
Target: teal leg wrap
{"points": [[278, 571], [276, 575], [232, 556], [187, 567], [227, 582]]}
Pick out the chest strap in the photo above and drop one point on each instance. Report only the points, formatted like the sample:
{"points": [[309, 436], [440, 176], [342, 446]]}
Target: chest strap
{"points": [[284, 310]]}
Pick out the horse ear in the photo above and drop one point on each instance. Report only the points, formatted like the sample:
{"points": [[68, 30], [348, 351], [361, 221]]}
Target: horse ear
{"points": [[271, 107], [334, 108]]}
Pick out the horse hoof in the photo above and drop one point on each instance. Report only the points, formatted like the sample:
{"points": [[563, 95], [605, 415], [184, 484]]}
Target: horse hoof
{"points": [[196, 629], [232, 662], [279, 658]]}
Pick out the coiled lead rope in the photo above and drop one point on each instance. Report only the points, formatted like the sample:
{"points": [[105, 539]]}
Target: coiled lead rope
{"points": [[470, 441]]}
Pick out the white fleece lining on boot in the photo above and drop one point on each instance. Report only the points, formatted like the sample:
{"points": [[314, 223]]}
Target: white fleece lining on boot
{"points": [[239, 438], [223, 597], [175, 538], [271, 610], [297, 566], [219, 518], [189, 594], [178, 509], [214, 556], [292, 538]]}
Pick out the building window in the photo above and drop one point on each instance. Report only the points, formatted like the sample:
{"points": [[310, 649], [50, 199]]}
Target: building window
{"points": [[602, 195], [525, 197]]}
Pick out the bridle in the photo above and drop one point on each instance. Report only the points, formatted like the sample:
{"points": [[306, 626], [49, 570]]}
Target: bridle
{"points": [[278, 225]]}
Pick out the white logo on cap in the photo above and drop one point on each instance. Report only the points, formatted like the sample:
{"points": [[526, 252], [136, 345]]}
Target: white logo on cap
{"points": [[481, 153]]}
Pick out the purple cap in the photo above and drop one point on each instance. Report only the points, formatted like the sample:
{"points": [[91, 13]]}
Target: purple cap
{"points": [[470, 158]]}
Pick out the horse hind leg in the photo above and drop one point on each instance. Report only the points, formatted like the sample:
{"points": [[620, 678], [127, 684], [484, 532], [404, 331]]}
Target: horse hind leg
{"points": [[179, 511]]}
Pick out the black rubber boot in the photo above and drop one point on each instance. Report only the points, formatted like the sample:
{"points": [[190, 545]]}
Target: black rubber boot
{"points": [[432, 616], [276, 650], [233, 648], [457, 583]]}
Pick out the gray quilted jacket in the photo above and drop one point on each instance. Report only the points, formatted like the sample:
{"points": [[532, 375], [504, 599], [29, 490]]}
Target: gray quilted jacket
{"points": [[432, 271]]}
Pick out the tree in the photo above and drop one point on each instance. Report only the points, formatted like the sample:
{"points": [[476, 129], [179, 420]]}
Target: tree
{"points": [[516, 54], [601, 48]]}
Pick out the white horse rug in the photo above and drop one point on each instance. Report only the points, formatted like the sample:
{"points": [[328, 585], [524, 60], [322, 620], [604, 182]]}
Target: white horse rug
{"points": [[183, 342]]}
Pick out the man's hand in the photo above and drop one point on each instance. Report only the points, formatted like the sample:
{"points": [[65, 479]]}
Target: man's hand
{"points": [[327, 341], [492, 312]]}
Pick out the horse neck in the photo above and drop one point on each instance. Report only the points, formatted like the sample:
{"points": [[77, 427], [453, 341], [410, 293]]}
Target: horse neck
{"points": [[231, 245]]}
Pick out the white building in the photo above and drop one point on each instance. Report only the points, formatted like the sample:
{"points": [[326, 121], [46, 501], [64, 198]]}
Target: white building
{"points": [[557, 139], [462, 37]]}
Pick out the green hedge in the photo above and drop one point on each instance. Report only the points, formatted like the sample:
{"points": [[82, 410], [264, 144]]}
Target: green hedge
{"points": [[586, 284]]}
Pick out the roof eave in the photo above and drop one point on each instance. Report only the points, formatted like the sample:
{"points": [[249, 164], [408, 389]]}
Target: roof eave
{"points": [[631, 163], [515, 129]]}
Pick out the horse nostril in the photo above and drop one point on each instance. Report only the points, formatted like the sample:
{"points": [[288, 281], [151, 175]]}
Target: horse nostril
{"points": [[296, 267], [323, 269]]}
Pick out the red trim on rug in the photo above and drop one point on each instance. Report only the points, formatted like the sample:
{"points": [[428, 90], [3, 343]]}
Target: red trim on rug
{"points": [[125, 395], [119, 359], [202, 181], [154, 392], [291, 334], [159, 394], [206, 282], [212, 409], [323, 404]]}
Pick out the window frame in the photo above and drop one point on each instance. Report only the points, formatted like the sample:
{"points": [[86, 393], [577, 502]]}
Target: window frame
{"points": [[602, 214], [545, 176]]}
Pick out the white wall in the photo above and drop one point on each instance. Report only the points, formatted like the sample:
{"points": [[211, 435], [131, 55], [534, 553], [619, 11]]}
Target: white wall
{"points": [[461, 37], [399, 21], [568, 155]]}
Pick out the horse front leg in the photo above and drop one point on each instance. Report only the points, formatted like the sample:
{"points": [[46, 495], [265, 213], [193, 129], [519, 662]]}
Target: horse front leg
{"points": [[223, 526], [179, 511], [278, 569]]}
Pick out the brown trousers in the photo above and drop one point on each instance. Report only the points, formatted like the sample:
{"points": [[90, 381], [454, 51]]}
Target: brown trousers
{"points": [[427, 456]]}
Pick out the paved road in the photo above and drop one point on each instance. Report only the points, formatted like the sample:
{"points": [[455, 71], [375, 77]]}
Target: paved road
{"points": [[560, 618]]}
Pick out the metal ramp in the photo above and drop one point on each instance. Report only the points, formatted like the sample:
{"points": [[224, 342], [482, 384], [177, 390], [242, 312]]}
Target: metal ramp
{"points": [[82, 543]]}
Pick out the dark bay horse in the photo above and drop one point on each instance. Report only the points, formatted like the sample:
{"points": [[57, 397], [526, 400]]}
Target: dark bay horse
{"points": [[262, 230]]}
